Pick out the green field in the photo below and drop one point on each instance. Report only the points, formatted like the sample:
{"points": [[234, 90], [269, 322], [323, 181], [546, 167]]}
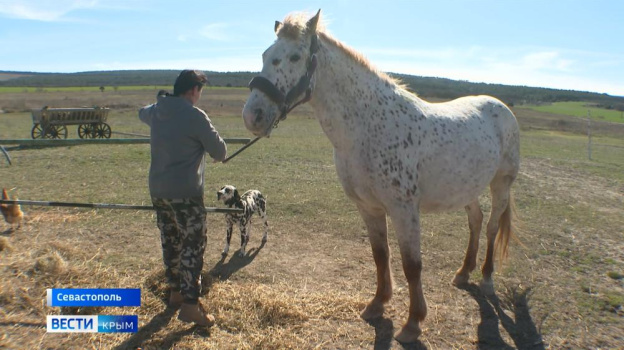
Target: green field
{"points": [[580, 109]]}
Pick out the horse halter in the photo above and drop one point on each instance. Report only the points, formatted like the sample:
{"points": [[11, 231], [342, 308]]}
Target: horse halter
{"points": [[285, 102]]}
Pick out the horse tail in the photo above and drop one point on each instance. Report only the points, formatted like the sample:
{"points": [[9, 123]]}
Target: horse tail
{"points": [[506, 230]]}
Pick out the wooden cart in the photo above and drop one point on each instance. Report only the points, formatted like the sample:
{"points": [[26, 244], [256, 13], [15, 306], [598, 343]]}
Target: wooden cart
{"points": [[51, 123]]}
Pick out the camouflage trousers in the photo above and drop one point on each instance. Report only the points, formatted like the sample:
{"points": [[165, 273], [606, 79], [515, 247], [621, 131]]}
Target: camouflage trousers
{"points": [[182, 224]]}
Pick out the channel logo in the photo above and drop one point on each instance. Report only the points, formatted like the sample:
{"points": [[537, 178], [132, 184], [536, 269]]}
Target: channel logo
{"points": [[92, 324]]}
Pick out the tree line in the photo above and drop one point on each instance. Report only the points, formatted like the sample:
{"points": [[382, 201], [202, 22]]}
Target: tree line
{"points": [[425, 87]]}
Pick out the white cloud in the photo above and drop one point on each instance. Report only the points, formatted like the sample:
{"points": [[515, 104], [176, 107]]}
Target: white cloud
{"points": [[543, 60], [43, 10], [216, 31]]}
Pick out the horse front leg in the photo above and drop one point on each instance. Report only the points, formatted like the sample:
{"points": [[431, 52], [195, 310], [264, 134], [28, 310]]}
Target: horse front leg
{"points": [[378, 236], [407, 224]]}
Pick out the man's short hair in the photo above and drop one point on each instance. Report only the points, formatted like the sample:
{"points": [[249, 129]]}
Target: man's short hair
{"points": [[187, 80]]}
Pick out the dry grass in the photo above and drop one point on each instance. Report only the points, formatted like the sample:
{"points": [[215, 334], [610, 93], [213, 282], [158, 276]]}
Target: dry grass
{"points": [[5, 245]]}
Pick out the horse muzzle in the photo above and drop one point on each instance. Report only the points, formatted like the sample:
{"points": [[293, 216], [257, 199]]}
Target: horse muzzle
{"points": [[259, 114]]}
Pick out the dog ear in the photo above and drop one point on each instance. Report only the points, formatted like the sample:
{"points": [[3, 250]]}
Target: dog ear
{"points": [[236, 196]]}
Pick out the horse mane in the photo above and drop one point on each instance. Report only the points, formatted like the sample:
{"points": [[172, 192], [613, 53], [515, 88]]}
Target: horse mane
{"points": [[294, 26]]}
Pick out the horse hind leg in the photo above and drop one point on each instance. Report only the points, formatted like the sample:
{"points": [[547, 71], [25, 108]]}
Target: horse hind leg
{"points": [[378, 237], [475, 221], [499, 224]]}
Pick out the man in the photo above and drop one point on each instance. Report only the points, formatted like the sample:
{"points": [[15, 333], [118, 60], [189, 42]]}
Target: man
{"points": [[181, 134]]}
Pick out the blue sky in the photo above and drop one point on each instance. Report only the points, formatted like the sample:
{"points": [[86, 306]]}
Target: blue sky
{"points": [[565, 44]]}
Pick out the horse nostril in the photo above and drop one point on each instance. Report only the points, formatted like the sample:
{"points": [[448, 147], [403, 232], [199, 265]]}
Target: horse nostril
{"points": [[259, 115]]}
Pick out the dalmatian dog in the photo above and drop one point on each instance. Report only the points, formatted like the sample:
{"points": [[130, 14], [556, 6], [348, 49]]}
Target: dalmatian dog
{"points": [[251, 202]]}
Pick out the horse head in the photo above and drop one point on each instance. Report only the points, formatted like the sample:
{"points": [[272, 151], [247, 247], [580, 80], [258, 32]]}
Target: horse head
{"points": [[286, 79]]}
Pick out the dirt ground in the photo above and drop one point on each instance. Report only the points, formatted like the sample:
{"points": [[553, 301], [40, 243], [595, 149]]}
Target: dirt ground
{"points": [[536, 305]]}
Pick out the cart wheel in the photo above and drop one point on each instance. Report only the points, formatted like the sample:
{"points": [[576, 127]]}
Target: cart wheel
{"points": [[102, 131], [55, 132], [36, 132], [86, 131]]}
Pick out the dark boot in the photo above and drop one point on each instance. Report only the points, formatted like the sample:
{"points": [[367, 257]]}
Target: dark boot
{"points": [[175, 299], [195, 313]]}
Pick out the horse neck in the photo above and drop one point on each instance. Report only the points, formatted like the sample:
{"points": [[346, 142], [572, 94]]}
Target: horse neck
{"points": [[347, 95]]}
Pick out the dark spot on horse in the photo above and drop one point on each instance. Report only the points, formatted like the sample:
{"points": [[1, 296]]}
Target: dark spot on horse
{"points": [[495, 115], [396, 183]]}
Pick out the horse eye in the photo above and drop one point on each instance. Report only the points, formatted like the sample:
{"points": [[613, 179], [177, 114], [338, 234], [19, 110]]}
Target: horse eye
{"points": [[295, 58]]}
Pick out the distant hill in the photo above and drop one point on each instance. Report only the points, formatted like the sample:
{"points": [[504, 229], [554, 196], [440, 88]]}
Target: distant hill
{"points": [[426, 87], [117, 78], [12, 75], [449, 89]]}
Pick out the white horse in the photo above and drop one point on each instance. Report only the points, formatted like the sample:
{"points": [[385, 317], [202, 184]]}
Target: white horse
{"points": [[395, 154]]}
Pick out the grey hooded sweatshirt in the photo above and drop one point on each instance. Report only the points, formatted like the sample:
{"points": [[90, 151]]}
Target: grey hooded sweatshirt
{"points": [[181, 135]]}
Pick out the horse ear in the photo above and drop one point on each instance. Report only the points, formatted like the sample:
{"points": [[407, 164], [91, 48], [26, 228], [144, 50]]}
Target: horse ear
{"points": [[313, 22], [278, 25]]}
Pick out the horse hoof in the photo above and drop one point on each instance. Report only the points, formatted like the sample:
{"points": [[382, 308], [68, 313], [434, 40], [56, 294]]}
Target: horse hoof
{"points": [[408, 334], [460, 280], [372, 311], [487, 287]]}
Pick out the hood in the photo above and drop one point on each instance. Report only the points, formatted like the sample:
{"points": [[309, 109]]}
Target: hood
{"points": [[169, 106]]}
